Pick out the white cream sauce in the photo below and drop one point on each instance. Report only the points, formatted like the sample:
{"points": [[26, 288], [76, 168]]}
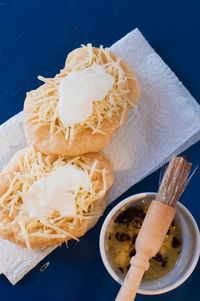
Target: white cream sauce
{"points": [[56, 192], [79, 89]]}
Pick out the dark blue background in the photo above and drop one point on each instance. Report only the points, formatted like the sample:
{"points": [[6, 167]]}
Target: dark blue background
{"points": [[35, 37]]}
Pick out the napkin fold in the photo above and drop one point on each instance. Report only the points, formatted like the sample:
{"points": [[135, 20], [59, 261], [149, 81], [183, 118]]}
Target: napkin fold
{"points": [[166, 122]]}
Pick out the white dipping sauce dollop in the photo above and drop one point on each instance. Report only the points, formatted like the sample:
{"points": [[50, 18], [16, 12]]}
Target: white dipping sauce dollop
{"points": [[56, 192], [79, 89]]}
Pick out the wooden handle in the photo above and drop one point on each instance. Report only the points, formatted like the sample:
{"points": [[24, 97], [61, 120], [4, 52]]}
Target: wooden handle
{"points": [[154, 228], [133, 278]]}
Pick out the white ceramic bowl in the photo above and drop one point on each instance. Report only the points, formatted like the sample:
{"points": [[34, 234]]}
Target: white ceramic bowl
{"points": [[189, 254]]}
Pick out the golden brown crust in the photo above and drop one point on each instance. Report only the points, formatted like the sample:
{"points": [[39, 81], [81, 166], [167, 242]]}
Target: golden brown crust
{"points": [[84, 141], [12, 231]]}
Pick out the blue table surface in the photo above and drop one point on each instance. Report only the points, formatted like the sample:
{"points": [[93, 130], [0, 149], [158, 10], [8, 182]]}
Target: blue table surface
{"points": [[35, 37]]}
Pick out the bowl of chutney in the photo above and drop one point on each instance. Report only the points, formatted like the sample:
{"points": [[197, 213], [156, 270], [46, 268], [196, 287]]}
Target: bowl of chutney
{"points": [[174, 262]]}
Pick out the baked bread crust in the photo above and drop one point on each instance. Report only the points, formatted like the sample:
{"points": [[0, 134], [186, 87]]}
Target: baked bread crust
{"points": [[12, 231], [84, 141]]}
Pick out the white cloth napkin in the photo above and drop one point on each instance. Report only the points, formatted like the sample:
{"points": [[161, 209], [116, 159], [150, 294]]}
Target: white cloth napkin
{"points": [[166, 122]]}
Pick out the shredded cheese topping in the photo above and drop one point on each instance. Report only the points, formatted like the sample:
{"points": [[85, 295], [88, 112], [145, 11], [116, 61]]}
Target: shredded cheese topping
{"points": [[34, 166], [45, 99]]}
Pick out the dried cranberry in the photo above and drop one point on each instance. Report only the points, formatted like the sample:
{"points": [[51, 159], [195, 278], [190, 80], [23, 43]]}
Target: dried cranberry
{"points": [[128, 215], [137, 223], [139, 212], [158, 257], [134, 238], [175, 242], [132, 253], [122, 236], [125, 217], [163, 260]]}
